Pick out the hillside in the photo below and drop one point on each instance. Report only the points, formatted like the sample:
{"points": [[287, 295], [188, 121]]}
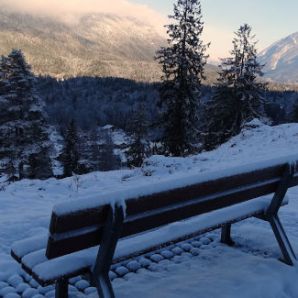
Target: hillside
{"points": [[281, 60], [97, 44]]}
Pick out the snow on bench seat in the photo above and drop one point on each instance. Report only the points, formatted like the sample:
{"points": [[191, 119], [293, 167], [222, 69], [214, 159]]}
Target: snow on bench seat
{"points": [[26, 246], [46, 271]]}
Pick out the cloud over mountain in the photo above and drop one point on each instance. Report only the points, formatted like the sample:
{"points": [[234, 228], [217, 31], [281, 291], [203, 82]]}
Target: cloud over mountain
{"points": [[68, 8]]}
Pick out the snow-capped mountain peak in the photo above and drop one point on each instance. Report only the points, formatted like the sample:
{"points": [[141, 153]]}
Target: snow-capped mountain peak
{"points": [[281, 59]]}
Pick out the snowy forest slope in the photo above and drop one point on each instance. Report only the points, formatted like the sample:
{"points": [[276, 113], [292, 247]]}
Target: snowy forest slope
{"points": [[96, 44]]}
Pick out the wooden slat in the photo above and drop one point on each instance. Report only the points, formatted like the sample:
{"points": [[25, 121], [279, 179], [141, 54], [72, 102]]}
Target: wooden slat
{"points": [[202, 205], [15, 256], [160, 200], [78, 220], [60, 247], [24, 247], [49, 282]]}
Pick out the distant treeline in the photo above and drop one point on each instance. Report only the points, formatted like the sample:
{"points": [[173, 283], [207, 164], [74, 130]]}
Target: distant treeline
{"points": [[94, 102]]}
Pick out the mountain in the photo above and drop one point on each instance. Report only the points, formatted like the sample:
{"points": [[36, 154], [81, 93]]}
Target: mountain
{"points": [[93, 44], [281, 60]]}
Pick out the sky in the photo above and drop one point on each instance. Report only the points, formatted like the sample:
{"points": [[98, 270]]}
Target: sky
{"points": [[271, 20]]}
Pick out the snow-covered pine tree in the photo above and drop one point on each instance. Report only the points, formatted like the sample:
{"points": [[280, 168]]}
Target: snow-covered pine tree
{"points": [[139, 147], [182, 62], [239, 96], [70, 154], [24, 133]]}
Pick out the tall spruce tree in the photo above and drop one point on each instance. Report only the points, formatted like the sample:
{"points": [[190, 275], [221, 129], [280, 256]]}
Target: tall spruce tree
{"points": [[23, 131], [239, 96], [182, 62]]}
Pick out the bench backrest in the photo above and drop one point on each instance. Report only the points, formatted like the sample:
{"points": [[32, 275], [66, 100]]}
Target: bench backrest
{"points": [[74, 231]]}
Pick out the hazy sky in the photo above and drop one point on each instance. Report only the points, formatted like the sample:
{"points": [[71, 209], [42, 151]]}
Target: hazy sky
{"points": [[271, 20]]}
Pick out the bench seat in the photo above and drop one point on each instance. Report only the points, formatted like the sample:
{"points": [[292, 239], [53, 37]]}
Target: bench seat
{"points": [[31, 253]]}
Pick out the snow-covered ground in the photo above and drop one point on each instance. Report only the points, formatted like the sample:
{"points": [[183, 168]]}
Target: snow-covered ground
{"points": [[250, 269]]}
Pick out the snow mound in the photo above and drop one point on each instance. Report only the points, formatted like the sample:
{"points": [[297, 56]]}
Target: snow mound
{"points": [[256, 142]]}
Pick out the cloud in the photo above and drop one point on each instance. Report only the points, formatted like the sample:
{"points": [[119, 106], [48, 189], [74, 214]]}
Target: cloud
{"points": [[59, 8]]}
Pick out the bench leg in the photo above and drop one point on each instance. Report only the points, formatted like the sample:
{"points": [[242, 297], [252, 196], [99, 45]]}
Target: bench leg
{"points": [[61, 288], [283, 241], [271, 215], [104, 287], [111, 233], [226, 235]]}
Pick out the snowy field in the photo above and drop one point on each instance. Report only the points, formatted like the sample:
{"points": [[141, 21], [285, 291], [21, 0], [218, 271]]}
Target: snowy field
{"points": [[250, 269]]}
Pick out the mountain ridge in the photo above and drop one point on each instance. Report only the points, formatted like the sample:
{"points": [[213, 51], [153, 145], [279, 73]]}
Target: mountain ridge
{"points": [[97, 44], [281, 60]]}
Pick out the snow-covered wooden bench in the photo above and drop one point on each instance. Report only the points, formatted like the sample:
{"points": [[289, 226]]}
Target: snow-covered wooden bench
{"points": [[83, 234]]}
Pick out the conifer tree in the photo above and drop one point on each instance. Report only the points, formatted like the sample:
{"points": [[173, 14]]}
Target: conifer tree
{"points": [[23, 129], [139, 147], [70, 154], [182, 62], [239, 97]]}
